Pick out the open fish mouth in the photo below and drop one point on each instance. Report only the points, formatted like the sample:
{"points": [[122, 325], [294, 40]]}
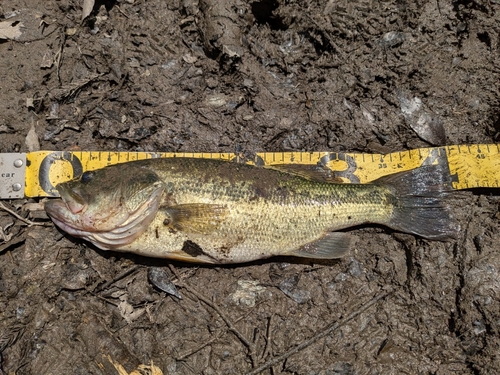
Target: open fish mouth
{"points": [[58, 211], [67, 210]]}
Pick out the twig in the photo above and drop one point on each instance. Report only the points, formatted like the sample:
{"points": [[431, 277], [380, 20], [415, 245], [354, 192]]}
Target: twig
{"points": [[122, 12], [16, 215], [184, 356], [226, 320], [325, 332], [116, 278], [58, 56], [65, 91], [266, 350]]}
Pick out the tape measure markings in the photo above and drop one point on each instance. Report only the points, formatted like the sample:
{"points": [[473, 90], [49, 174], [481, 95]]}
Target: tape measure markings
{"points": [[470, 166]]}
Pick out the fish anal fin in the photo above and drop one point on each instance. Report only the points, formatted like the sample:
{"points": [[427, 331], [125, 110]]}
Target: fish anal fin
{"points": [[332, 245], [195, 217]]}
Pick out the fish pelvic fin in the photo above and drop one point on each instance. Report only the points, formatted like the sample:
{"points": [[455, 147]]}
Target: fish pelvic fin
{"points": [[185, 257], [420, 202], [332, 245]]}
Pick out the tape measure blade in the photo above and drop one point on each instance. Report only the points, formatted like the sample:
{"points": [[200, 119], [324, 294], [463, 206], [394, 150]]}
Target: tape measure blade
{"points": [[470, 166], [476, 166]]}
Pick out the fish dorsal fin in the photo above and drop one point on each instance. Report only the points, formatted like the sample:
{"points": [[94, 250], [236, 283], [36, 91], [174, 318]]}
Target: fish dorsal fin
{"points": [[332, 245], [198, 218], [316, 172]]}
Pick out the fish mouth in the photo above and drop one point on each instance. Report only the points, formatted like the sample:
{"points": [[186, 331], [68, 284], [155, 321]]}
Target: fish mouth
{"points": [[123, 233], [66, 210], [74, 201], [62, 216]]}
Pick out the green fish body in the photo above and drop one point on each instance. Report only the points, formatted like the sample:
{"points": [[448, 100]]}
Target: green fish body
{"points": [[211, 211]]}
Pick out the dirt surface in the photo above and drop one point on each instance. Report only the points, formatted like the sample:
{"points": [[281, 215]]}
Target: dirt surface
{"points": [[245, 77]]}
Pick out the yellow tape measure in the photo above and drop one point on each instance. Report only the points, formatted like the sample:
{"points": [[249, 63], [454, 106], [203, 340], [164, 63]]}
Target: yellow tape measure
{"points": [[470, 166]]}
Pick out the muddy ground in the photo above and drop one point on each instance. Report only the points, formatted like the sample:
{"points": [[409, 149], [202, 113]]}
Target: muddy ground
{"points": [[245, 77]]}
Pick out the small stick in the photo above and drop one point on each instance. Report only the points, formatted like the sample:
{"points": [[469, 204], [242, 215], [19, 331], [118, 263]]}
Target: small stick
{"points": [[16, 215], [325, 332], [184, 356], [120, 276], [268, 339], [226, 320]]}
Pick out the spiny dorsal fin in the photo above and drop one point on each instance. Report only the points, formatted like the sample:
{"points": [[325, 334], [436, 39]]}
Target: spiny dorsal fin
{"points": [[198, 218]]}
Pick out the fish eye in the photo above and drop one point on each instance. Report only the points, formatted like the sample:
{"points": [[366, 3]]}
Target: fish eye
{"points": [[87, 176]]}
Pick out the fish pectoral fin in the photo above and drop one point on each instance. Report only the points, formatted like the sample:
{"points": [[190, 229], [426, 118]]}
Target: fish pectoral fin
{"points": [[332, 245], [310, 172], [195, 217]]}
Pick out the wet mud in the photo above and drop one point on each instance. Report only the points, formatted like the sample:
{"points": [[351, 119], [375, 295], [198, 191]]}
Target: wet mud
{"points": [[232, 76]]}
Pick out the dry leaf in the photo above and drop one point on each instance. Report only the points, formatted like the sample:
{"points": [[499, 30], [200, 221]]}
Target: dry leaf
{"points": [[47, 60], [10, 29], [32, 140], [127, 311], [141, 370], [161, 279], [147, 370], [30, 102], [26, 25], [88, 5], [426, 124]]}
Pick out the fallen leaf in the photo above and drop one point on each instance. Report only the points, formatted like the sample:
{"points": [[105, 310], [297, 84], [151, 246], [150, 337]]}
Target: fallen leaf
{"points": [[47, 60], [426, 124], [88, 6], [10, 29], [289, 287], [127, 311], [26, 25], [32, 140], [141, 370], [161, 279]]}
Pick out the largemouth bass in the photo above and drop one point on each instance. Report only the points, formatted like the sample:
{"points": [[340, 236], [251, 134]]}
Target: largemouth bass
{"points": [[212, 211]]}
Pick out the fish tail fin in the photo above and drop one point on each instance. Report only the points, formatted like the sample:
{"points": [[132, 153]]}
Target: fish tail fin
{"points": [[419, 199]]}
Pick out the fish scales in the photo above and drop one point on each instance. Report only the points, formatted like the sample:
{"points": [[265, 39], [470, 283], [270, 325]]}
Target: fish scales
{"points": [[223, 212]]}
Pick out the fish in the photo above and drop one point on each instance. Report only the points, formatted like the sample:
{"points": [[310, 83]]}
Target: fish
{"points": [[220, 212]]}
